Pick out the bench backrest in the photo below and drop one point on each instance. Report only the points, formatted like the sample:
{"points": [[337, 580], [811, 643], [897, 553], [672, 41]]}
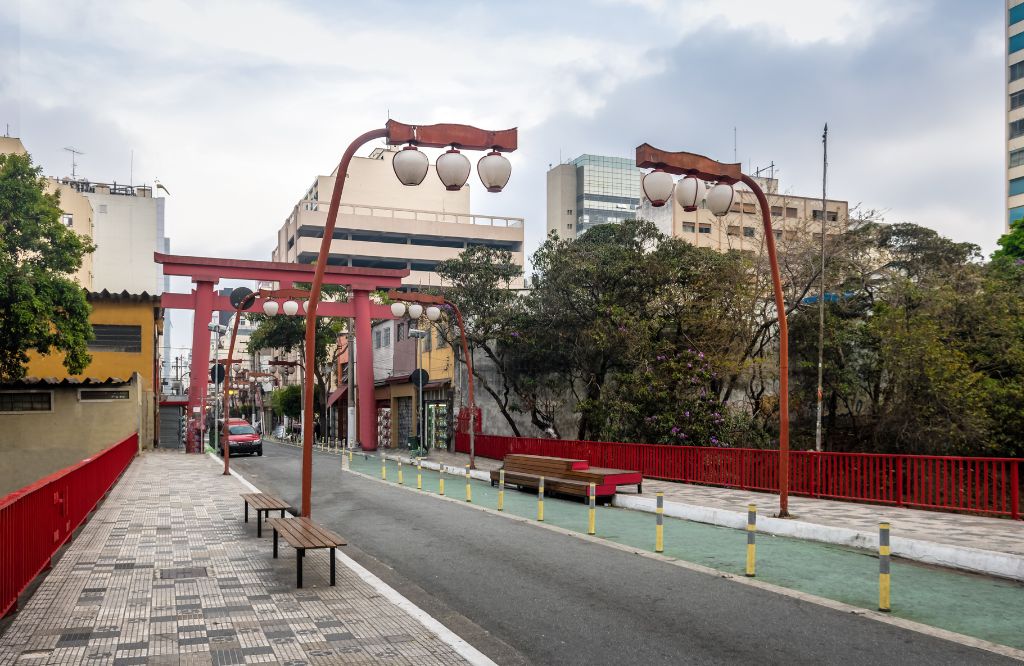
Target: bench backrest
{"points": [[542, 464]]}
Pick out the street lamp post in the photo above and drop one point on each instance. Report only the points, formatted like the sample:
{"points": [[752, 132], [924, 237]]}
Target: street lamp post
{"points": [[411, 168], [218, 329], [696, 170]]}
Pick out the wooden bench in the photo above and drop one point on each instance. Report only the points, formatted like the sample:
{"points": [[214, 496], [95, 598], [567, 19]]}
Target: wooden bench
{"points": [[263, 504], [302, 534], [568, 476]]}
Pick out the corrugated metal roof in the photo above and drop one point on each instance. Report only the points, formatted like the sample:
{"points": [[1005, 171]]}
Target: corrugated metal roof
{"points": [[144, 297], [67, 381]]}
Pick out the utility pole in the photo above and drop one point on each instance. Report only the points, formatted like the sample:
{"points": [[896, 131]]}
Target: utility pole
{"points": [[350, 435], [821, 299]]}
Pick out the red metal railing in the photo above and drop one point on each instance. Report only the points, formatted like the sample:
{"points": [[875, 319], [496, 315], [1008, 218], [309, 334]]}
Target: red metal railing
{"points": [[38, 519], [971, 485]]}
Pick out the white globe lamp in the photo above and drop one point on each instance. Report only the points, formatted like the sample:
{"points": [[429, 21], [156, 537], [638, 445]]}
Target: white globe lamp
{"points": [[410, 166], [433, 313], [398, 309], [721, 198], [657, 187], [415, 311], [689, 192], [270, 308], [494, 170], [290, 308], [453, 169]]}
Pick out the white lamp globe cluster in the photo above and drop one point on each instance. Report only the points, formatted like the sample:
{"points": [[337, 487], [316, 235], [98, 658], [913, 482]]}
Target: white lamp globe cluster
{"points": [[411, 166], [415, 310], [658, 187], [272, 308]]}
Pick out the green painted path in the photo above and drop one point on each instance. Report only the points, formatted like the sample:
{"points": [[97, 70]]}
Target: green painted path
{"points": [[988, 608]]}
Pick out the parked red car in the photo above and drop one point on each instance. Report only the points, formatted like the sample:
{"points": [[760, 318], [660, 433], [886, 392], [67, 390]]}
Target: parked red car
{"points": [[243, 438]]}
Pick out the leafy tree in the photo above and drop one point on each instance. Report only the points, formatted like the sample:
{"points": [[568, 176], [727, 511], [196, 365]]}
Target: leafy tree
{"points": [[41, 307], [287, 401], [1011, 245]]}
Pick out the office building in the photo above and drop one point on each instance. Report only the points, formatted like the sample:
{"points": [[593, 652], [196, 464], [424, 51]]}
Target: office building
{"points": [[1014, 111], [592, 190], [384, 224]]}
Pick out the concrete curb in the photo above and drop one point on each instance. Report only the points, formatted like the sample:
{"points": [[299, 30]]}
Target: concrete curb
{"points": [[976, 560]]}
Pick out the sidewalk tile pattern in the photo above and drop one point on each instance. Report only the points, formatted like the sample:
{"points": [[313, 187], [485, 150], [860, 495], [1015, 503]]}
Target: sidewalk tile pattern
{"points": [[953, 529], [166, 572]]}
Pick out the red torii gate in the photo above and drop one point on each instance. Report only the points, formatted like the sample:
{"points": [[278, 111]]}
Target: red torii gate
{"points": [[206, 271]]}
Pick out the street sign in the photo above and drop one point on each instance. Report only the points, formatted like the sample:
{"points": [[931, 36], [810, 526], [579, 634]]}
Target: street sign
{"points": [[217, 373], [419, 378]]}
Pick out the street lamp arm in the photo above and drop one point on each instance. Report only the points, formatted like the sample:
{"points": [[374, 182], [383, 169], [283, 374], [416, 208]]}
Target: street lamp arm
{"points": [[452, 134], [687, 164]]}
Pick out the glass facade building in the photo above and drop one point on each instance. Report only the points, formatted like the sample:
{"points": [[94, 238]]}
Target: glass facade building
{"points": [[607, 190]]}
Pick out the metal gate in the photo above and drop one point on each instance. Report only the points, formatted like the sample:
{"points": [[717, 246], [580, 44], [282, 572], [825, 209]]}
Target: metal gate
{"points": [[170, 427]]}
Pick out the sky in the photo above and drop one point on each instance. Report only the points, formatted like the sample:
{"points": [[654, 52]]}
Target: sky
{"points": [[237, 105]]}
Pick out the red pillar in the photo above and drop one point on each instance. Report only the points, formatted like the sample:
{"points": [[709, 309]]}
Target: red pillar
{"points": [[364, 370], [198, 372]]}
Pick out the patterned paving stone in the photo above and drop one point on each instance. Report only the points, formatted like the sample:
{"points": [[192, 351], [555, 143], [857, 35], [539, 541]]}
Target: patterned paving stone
{"points": [[166, 572]]}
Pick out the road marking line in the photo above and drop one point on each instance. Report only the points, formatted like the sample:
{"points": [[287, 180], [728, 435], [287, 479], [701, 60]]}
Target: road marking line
{"points": [[910, 625], [446, 635]]}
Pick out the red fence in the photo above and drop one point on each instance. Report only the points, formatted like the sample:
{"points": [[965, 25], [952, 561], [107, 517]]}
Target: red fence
{"points": [[38, 519], [974, 485]]}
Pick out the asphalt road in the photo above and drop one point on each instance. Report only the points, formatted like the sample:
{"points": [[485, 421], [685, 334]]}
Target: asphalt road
{"points": [[523, 594]]}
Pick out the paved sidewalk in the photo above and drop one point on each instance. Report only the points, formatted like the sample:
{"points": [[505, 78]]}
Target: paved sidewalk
{"points": [[953, 529], [166, 572]]}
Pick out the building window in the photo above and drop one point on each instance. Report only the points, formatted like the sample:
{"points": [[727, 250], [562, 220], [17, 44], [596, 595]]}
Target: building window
{"points": [[1017, 100], [776, 211], [791, 213], [116, 338], [102, 395], [68, 219], [101, 208], [15, 402], [733, 230], [1017, 156], [778, 234], [1016, 128], [1016, 186], [386, 338], [1016, 214], [704, 228], [399, 332], [748, 232], [1016, 14], [427, 340], [749, 208], [376, 339], [831, 216], [689, 227], [1016, 42], [1016, 71]]}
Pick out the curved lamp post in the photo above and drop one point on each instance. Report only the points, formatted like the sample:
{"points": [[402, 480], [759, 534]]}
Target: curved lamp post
{"points": [[697, 170], [417, 301], [411, 167]]}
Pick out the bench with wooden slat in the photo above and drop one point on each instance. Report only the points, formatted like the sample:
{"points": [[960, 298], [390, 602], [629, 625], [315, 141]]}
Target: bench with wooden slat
{"points": [[302, 534], [567, 476], [264, 504]]}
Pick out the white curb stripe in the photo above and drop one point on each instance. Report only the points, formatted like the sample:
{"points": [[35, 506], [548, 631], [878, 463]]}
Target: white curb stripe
{"points": [[446, 635]]}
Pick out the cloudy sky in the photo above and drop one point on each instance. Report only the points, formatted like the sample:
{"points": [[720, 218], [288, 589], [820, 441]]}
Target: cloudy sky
{"points": [[237, 105]]}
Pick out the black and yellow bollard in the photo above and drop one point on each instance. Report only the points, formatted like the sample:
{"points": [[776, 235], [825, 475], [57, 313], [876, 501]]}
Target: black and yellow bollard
{"points": [[419, 474], [751, 531], [350, 456], [440, 483], [469, 488], [592, 511], [383, 468], [501, 490], [659, 527], [540, 500], [400, 481], [883, 567]]}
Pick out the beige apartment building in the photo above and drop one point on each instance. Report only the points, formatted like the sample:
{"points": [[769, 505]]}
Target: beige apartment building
{"points": [[1014, 111], [384, 224], [596, 189]]}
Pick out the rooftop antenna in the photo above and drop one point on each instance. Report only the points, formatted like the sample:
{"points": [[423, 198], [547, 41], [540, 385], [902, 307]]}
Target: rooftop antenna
{"points": [[734, 143], [74, 165], [131, 170]]}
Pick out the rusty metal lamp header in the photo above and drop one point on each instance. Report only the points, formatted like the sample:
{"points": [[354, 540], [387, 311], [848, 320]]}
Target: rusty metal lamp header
{"points": [[691, 189], [453, 167]]}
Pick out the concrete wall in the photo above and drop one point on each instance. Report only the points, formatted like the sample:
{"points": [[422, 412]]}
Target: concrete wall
{"points": [[126, 237], [37, 444], [78, 207], [562, 200]]}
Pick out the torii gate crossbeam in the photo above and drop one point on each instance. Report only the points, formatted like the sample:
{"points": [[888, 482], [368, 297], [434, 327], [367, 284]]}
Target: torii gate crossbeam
{"points": [[206, 271]]}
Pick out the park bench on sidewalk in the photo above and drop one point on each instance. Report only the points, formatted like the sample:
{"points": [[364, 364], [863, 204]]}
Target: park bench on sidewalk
{"points": [[565, 476], [303, 534], [264, 504]]}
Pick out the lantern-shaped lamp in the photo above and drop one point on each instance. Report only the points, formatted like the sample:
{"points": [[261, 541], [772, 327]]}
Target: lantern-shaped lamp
{"points": [[398, 309], [270, 308], [494, 170], [290, 308], [689, 192], [433, 313], [657, 187], [453, 169], [415, 311], [410, 166], [721, 198]]}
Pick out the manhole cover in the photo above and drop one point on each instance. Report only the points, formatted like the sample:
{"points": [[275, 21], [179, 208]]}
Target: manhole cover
{"points": [[183, 572]]}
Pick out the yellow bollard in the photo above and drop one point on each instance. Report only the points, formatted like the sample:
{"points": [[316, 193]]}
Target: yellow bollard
{"points": [[592, 511], [469, 488], [501, 490], [350, 456], [883, 567], [400, 482], [540, 500], [440, 485], [751, 531], [383, 468], [659, 528], [419, 474]]}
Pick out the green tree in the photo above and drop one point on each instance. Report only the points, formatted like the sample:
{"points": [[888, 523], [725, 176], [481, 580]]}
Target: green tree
{"points": [[287, 401], [1011, 245], [41, 307]]}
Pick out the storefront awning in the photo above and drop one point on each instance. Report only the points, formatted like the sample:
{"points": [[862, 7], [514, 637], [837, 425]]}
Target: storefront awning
{"points": [[336, 395]]}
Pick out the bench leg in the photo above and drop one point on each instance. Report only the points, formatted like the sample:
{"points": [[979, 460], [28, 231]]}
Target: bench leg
{"points": [[299, 554], [640, 488], [282, 513], [259, 523], [246, 511], [275, 543], [333, 562]]}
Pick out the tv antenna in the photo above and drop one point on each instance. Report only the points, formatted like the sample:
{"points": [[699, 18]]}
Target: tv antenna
{"points": [[74, 164]]}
